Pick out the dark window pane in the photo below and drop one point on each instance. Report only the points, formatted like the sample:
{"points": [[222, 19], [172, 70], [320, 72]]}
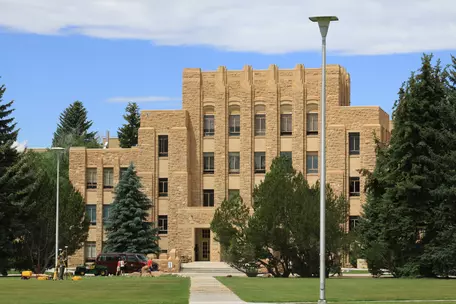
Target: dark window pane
{"points": [[260, 124], [163, 187], [163, 145], [208, 198], [208, 162], [354, 186], [91, 178], [233, 162], [209, 125], [260, 162], [235, 125], [286, 124], [91, 211], [106, 212], [353, 143], [312, 163], [312, 123], [163, 224]]}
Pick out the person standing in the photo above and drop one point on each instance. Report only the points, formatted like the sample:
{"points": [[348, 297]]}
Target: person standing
{"points": [[61, 265], [122, 266], [118, 270]]}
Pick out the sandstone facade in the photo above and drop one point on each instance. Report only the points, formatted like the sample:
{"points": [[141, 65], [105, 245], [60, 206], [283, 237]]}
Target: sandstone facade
{"points": [[281, 101]]}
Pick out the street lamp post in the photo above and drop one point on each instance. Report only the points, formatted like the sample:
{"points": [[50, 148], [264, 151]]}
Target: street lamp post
{"points": [[58, 149], [323, 24]]}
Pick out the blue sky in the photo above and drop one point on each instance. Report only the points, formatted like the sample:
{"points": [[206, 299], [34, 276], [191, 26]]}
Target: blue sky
{"points": [[45, 72]]}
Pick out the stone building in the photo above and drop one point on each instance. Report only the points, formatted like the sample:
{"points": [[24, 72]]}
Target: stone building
{"points": [[231, 126]]}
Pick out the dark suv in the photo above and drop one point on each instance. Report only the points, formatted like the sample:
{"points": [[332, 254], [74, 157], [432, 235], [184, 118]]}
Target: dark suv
{"points": [[133, 261]]}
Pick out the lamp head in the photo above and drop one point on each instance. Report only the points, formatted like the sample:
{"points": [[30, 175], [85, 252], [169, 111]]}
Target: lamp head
{"points": [[323, 23]]}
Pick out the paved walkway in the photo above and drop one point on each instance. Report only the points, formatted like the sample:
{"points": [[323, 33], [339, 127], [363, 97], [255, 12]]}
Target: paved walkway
{"points": [[206, 289]]}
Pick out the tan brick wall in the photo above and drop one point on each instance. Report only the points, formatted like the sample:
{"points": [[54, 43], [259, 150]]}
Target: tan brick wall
{"points": [[218, 91]]}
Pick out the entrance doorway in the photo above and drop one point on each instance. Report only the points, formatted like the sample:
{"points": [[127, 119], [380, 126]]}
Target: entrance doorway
{"points": [[202, 244]]}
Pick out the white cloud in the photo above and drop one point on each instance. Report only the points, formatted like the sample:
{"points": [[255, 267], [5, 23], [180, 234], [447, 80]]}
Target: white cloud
{"points": [[262, 26], [20, 146], [139, 99]]}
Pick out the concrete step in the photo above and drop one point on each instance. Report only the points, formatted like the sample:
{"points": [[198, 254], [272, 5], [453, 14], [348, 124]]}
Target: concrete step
{"points": [[208, 267]]}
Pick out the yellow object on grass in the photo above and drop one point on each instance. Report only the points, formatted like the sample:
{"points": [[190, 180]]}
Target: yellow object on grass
{"points": [[42, 278], [77, 278], [26, 274]]}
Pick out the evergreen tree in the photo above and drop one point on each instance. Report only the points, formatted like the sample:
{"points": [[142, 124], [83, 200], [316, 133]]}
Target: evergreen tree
{"points": [[73, 129], [16, 184], [128, 133], [440, 241], [8, 134], [128, 229], [413, 179]]}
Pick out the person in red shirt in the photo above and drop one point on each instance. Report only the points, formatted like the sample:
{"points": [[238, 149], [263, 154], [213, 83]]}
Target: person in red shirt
{"points": [[149, 265]]}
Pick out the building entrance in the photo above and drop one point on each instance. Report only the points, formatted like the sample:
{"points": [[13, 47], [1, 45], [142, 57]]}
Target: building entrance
{"points": [[202, 244]]}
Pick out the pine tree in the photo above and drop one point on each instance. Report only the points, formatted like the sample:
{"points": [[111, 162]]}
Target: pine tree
{"points": [[73, 129], [128, 229], [413, 176], [128, 133], [16, 183], [440, 242], [8, 134]]}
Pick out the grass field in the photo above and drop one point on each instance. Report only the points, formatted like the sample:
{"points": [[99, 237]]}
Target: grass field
{"points": [[96, 290], [340, 289]]}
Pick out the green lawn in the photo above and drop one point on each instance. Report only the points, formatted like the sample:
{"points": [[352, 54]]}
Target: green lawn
{"points": [[340, 289], [96, 290]]}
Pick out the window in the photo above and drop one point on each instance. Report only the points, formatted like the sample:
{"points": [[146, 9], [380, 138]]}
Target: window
{"points": [[90, 251], [312, 123], [132, 258], [91, 211], [91, 178], [122, 172], [208, 162], [106, 211], [286, 154], [163, 224], [353, 222], [108, 178], [233, 193], [260, 162], [235, 125], [162, 187], [260, 124], [353, 143], [206, 233], [312, 163], [285, 124], [163, 145], [208, 125], [208, 198], [233, 162], [354, 186]]}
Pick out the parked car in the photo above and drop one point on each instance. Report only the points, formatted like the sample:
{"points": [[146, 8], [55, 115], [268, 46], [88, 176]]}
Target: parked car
{"points": [[133, 261], [98, 270]]}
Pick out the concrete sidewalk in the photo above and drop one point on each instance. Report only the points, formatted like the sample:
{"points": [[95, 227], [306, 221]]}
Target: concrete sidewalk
{"points": [[207, 289]]}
